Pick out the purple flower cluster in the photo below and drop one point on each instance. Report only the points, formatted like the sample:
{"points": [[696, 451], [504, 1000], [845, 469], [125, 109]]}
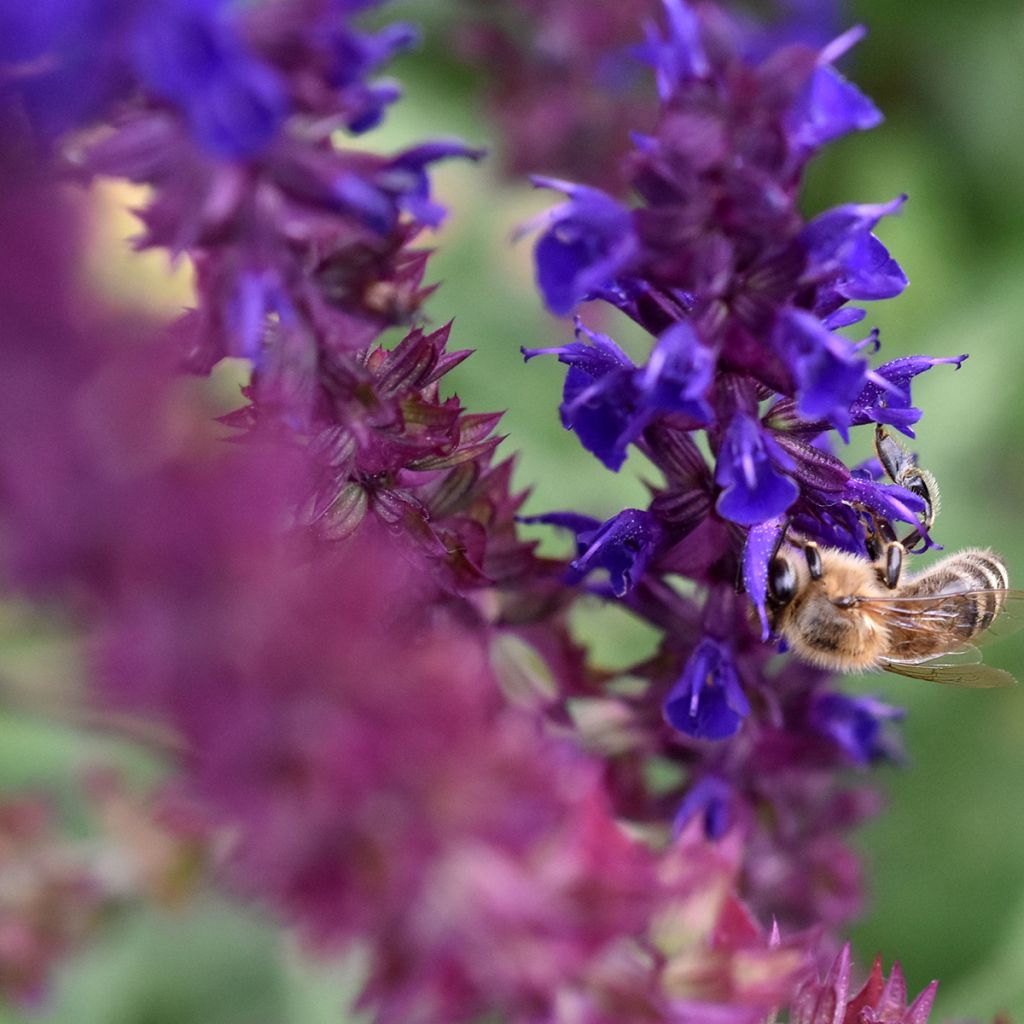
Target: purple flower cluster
{"points": [[565, 89], [563, 86], [743, 299], [383, 729], [233, 77], [302, 251]]}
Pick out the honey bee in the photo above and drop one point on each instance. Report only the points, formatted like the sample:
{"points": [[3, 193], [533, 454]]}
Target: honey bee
{"points": [[849, 613]]}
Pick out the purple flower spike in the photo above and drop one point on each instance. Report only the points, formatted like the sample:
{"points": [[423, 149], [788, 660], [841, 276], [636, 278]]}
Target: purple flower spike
{"points": [[622, 546], [829, 106], [715, 259], [588, 244], [748, 469], [843, 253], [707, 702], [712, 800], [829, 374], [856, 725]]}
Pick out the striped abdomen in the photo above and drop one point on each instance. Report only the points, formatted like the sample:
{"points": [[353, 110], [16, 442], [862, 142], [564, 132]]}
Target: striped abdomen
{"points": [[969, 590]]}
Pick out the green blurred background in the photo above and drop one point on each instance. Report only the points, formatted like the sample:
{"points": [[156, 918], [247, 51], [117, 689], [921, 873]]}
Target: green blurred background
{"points": [[946, 861]]}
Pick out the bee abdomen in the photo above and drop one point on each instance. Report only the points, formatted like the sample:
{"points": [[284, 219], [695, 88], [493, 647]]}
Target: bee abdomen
{"points": [[979, 573]]}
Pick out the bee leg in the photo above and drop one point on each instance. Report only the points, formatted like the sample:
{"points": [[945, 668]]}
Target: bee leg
{"points": [[887, 552], [891, 454], [923, 484], [892, 570], [901, 467], [873, 536]]}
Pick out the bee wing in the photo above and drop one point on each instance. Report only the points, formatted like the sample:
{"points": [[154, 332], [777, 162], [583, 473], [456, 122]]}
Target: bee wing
{"points": [[977, 676], [959, 663], [942, 611]]}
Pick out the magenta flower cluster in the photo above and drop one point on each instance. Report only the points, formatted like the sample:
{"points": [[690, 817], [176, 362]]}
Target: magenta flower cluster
{"points": [[383, 730]]}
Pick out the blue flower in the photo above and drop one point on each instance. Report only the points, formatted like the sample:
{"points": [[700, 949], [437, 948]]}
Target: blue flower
{"points": [[66, 60], [857, 726], [679, 56], [887, 501], [607, 401], [190, 53], [750, 471], [886, 398], [678, 374], [829, 106], [378, 194], [588, 244], [707, 701], [846, 260], [622, 546], [599, 400], [712, 799], [761, 543], [829, 374], [358, 55], [405, 177]]}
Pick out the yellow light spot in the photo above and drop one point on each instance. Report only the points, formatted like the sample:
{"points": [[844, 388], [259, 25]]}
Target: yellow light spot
{"points": [[144, 281]]}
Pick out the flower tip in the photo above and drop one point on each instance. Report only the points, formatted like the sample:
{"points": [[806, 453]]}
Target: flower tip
{"points": [[527, 227], [893, 206], [841, 964], [530, 353], [831, 52], [556, 184], [921, 1008], [644, 142]]}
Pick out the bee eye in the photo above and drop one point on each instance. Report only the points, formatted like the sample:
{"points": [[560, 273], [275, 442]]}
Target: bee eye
{"points": [[781, 580]]}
